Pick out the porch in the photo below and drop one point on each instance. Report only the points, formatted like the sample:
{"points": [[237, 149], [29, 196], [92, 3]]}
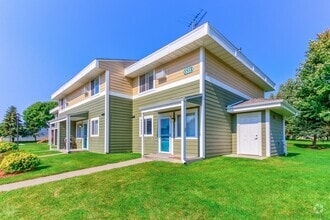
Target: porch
{"points": [[173, 130]]}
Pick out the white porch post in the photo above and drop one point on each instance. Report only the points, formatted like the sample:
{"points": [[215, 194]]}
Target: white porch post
{"points": [[50, 134], [142, 134], [58, 135], [202, 111], [267, 121], [183, 131], [284, 140], [68, 133], [107, 112]]}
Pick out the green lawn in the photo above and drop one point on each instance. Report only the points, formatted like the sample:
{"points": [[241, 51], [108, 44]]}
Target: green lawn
{"points": [[294, 187], [60, 163]]}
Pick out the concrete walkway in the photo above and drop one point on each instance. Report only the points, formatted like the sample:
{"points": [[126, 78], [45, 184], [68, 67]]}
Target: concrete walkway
{"points": [[62, 176]]}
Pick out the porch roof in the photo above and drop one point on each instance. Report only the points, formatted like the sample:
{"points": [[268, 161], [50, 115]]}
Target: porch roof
{"points": [[73, 117], [279, 106], [172, 104]]}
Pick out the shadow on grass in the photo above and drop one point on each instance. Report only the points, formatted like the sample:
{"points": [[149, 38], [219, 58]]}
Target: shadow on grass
{"points": [[41, 168], [318, 146], [291, 155]]}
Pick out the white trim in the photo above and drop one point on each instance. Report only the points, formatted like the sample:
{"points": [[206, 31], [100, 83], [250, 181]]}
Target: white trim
{"points": [[284, 137], [169, 86], [141, 129], [142, 136], [194, 111], [226, 87], [267, 123], [183, 131], [121, 95], [107, 112], [91, 98], [170, 134], [98, 127], [68, 132], [238, 147], [202, 108], [58, 135], [93, 65], [54, 110], [161, 108]]}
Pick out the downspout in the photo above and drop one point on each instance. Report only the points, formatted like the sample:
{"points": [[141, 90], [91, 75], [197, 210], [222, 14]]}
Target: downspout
{"points": [[183, 131]]}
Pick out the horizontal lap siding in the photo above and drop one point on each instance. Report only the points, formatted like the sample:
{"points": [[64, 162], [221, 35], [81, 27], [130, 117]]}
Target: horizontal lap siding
{"points": [[218, 123], [276, 134], [151, 143], [62, 134], [120, 124], [227, 75], [95, 109]]}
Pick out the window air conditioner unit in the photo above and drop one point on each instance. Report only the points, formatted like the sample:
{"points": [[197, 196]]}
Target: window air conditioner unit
{"points": [[84, 90], [161, 74]]}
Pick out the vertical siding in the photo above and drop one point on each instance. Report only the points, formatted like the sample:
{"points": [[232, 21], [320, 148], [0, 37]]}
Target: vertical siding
{"points": [[120, 124], [95, 109], [218, 133], [217, 69], [151, 143], [174, 70], [276, 134]]}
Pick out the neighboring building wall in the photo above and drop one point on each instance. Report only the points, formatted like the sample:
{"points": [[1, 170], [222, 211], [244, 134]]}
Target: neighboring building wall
{"points": [[151, 143], [96, 109], [276, 134], [174, 71], [120, 124], [218, 133], [217, 69]]}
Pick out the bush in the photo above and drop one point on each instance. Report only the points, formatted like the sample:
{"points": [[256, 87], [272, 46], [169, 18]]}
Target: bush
{"points": [[7, 146], [19, 161]]}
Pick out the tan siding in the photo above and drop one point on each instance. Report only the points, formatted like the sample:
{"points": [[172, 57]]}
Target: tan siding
{"points": [[174, 70], [118, 82], [219, 70], [218, 131], [120, 124], [151, 143], [102, 82], [276, 134]]}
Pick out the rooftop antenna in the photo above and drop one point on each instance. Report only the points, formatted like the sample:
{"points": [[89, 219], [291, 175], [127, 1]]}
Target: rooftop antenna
{"points": [[197, 19]]}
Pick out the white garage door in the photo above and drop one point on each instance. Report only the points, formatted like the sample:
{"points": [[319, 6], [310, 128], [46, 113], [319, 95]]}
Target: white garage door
{"points": [[249, 133]]}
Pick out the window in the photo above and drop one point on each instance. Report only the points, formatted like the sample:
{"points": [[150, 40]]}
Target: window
{"points": [[80, 130], [94, 127], [63, 104], [146, 82], [148, 127], [191, 125], [95, 86]]}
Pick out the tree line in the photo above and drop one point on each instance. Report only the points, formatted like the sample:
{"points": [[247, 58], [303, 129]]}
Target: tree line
{"points": [[309, 92], [33, 119]]}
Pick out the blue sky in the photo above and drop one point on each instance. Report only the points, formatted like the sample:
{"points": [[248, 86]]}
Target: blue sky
{"points": [[45, 43]]}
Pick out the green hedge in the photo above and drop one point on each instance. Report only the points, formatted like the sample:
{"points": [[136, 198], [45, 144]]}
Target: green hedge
{"points": [[19, 161], [7, 146]]}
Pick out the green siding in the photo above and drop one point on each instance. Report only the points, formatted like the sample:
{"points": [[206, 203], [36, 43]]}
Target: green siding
{"points": [[120, 124], [62, 134], [151, 143], [218, 130], [276, 134], [95, 109]]}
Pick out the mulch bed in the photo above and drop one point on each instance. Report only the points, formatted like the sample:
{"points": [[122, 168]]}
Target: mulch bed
{"points": [[3, 175]]}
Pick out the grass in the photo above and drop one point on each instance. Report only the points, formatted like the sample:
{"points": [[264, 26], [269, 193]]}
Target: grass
{"points": [[61, 163], [294, 187]]}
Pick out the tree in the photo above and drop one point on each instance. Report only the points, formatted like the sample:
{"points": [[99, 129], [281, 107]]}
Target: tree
{"points": [[11, 121], [36, 117], [312, 97]]}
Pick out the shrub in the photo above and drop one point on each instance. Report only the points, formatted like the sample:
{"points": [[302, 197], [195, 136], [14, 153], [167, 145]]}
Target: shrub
{"points": [[19, 161], [7, 146]]}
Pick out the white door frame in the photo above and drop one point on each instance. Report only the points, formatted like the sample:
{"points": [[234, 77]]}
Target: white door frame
{"points": [[170, 151], [259, 135]]}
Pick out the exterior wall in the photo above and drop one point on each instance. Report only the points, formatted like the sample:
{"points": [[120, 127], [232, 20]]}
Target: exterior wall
{"points": [[118, 82], [218, 129], [276, 134], [120, 124], [217, 69], [151, 143], [95, 109], [62, 134], [174, 70]]}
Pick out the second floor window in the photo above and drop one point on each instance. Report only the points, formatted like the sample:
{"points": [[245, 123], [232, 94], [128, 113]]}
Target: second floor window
{"points": [[63, 104], [95, 86], [146, 82]]}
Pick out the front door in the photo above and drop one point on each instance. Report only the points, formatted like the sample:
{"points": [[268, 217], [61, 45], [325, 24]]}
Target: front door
{"points": [[85, 136], [164, 134], [249, 133]]}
